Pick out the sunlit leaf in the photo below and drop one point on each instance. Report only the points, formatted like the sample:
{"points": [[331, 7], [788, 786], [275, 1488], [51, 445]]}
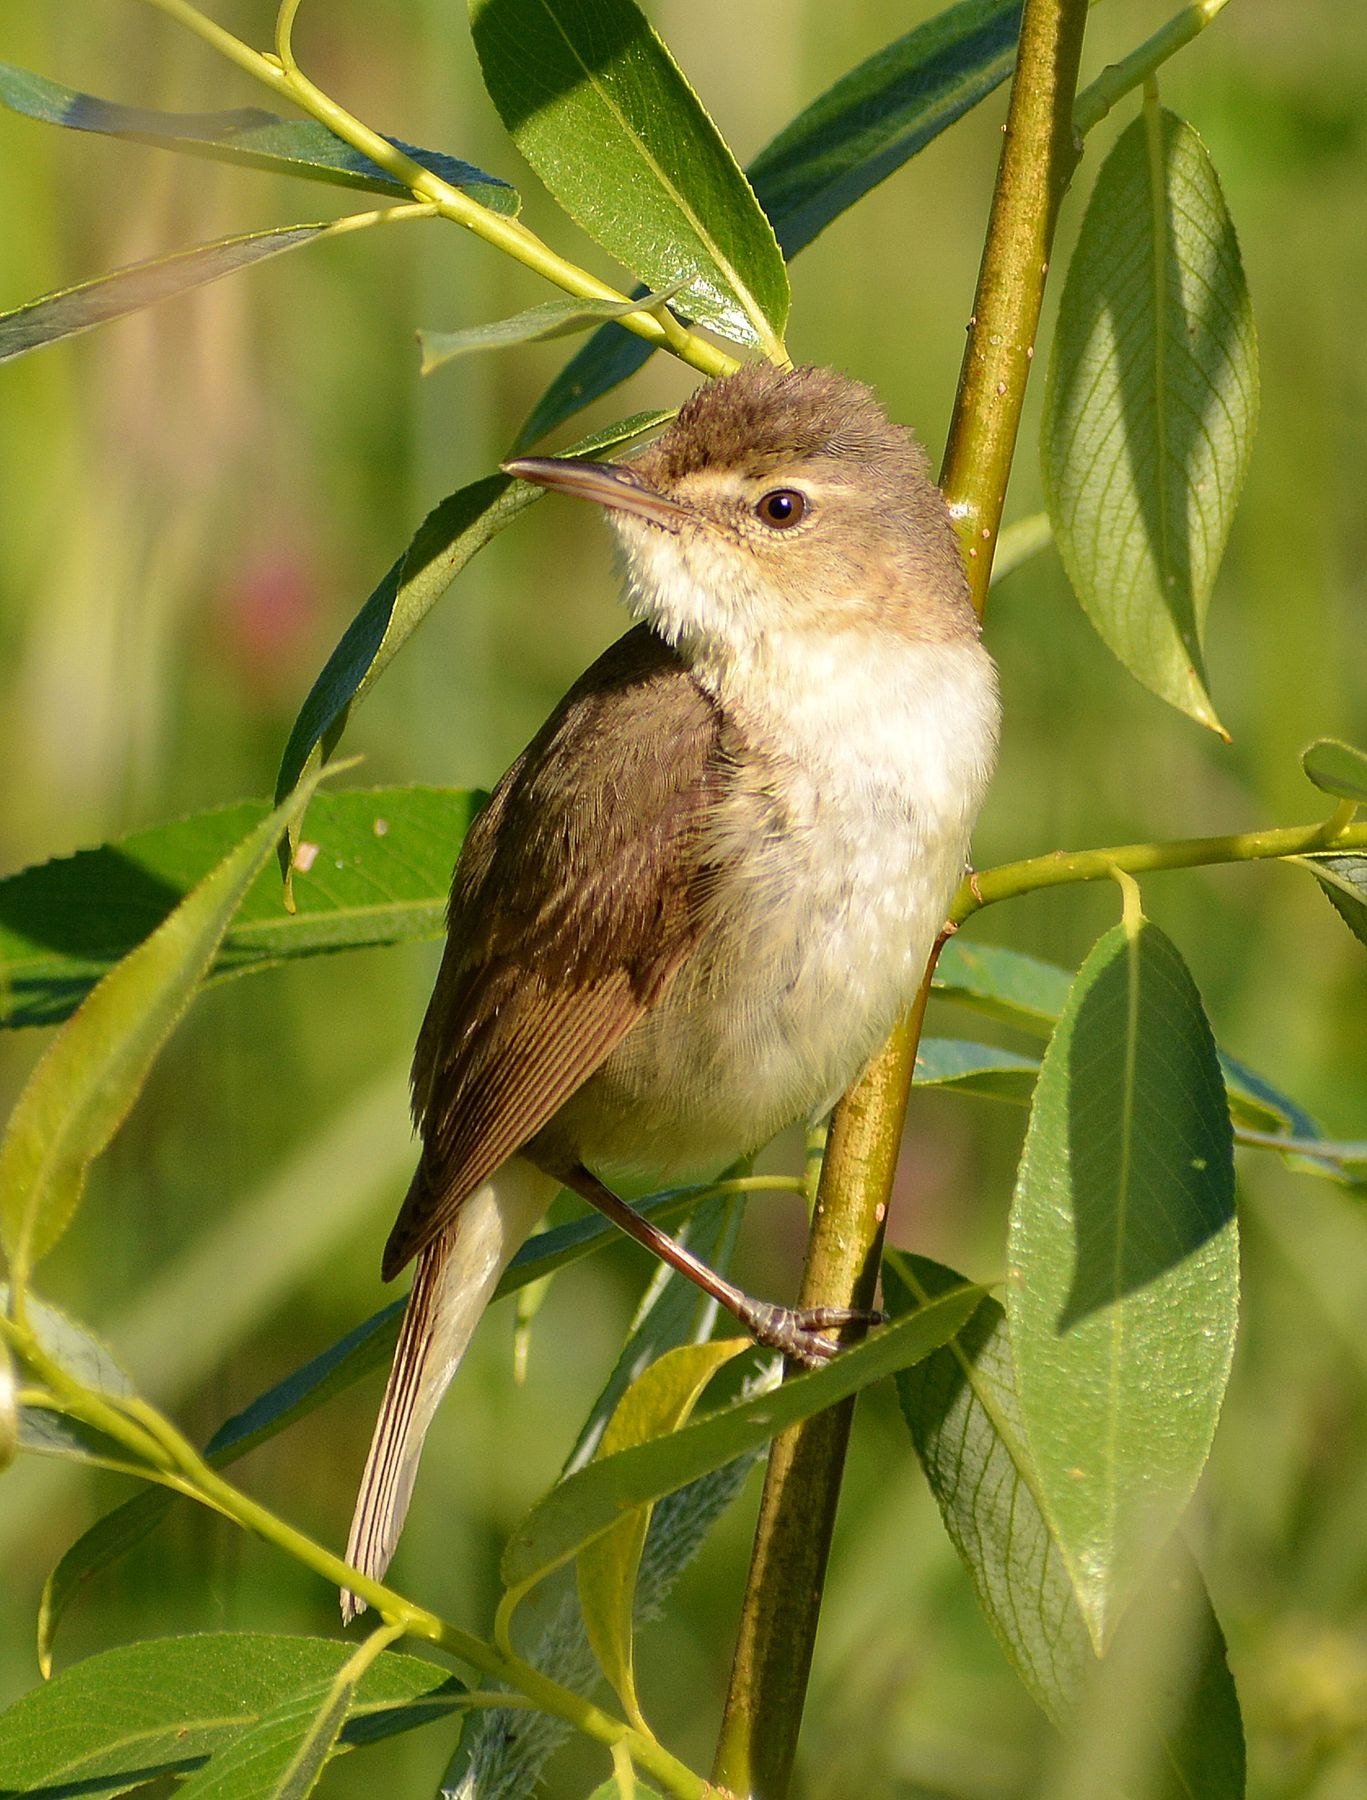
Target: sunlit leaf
{"points": [[589, 1501], [130, 289], [1337, 768], [446, 540], [379, 868], [94, 1069], [596, 104], [850, 138], [117, 1719], [656, 1403], [552, 319], [246, 135], [1123, 1264], [1151, 404], [961, 1408], [41, 1429]]}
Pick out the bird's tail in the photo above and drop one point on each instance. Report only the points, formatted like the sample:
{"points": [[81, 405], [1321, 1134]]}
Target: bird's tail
{"points": [[456, 1274]]}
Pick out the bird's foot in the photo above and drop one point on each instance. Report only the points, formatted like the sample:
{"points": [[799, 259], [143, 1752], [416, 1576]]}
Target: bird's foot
{"points": [[797, 1330]]}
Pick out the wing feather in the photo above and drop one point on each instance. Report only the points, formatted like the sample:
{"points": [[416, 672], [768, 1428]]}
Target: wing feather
{"points": [[577, 895]]}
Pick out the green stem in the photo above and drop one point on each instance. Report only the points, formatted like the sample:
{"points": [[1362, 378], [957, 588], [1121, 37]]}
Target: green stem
{"points": [[1120, 78], [1008, 880], [283, 76], [783, 1595], [169, 1457]]}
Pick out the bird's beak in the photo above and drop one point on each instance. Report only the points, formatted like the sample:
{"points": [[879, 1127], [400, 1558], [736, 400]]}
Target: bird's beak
{"points": [[615, 485]]}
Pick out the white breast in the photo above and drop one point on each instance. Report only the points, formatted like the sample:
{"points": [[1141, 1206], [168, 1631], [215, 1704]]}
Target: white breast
{"points": [[843, 844]]}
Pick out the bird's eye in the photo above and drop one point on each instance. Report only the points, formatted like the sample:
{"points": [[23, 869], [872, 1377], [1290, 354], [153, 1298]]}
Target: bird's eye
{"points": [[782, 508]]}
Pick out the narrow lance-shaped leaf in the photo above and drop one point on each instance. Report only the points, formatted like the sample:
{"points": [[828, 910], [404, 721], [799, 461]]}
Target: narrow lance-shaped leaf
{"points": [[853, 136], [596, 104], [129, 290], [1337, 768], [590, 1500], [446, 540], [1150, 405], [90, 1075], [656, 1403], [1123, 1264], [44, 1431], [246, 135], [961, 1408], [117, 1719], [552, 319]]}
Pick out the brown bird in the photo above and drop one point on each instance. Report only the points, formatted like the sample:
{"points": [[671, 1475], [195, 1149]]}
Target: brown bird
{"points": [[704, 893]]}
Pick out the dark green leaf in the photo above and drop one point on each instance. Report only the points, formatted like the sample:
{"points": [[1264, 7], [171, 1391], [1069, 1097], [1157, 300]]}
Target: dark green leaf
{"points": [[975, 1069], [552, 319], [379, 876], [142, 284], [961, 1408], [1123, 1264], [589, 1501], [1343, 876], [247, 135], [118, 1719], [880, 114], [1337, 768], [1005, 984], [1150, 405], [446, 540], [595, 103], [850, 138]]}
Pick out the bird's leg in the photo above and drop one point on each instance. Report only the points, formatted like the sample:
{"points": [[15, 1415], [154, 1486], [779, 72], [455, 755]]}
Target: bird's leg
{"points": [[796, 1331]]}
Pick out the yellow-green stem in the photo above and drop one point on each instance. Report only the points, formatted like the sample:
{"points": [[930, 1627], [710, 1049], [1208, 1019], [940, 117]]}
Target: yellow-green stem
{"points": [[783, 1595], [1008, 880]]}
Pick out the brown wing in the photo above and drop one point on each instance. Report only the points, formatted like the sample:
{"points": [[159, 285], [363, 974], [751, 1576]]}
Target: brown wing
{"points": [[576, 896]]}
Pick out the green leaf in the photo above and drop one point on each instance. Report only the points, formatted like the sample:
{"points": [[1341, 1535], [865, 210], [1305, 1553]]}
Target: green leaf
{"points": [[552, 319], [246, 135], [116, 1720], [596, 104], [961, 1408], [612, 1789], [880, 114], [1005, 984], [446, 540], [1150, 405], [1020, 542], [1123, 1264], [380, 875], [94, 1069], [142, 284], [1337, 768], [658, 1402], [975, 1069], [589, 1501], [850, 138], [1343, 876]]}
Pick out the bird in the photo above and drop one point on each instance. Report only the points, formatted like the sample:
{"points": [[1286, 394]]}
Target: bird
{"points": [[702, 896]]}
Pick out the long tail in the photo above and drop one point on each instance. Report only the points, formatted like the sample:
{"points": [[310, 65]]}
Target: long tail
{"points": [[456, 1275]]}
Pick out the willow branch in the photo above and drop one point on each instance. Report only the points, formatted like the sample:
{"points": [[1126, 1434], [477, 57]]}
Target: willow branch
{"points": [[787, 1572], [282, 75]]}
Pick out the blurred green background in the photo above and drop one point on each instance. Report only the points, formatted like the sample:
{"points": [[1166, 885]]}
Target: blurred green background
{"points": [[194, 502]]}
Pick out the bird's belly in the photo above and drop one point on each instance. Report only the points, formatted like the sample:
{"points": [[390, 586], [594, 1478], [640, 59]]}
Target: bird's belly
{"points": [[818, 946]]}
